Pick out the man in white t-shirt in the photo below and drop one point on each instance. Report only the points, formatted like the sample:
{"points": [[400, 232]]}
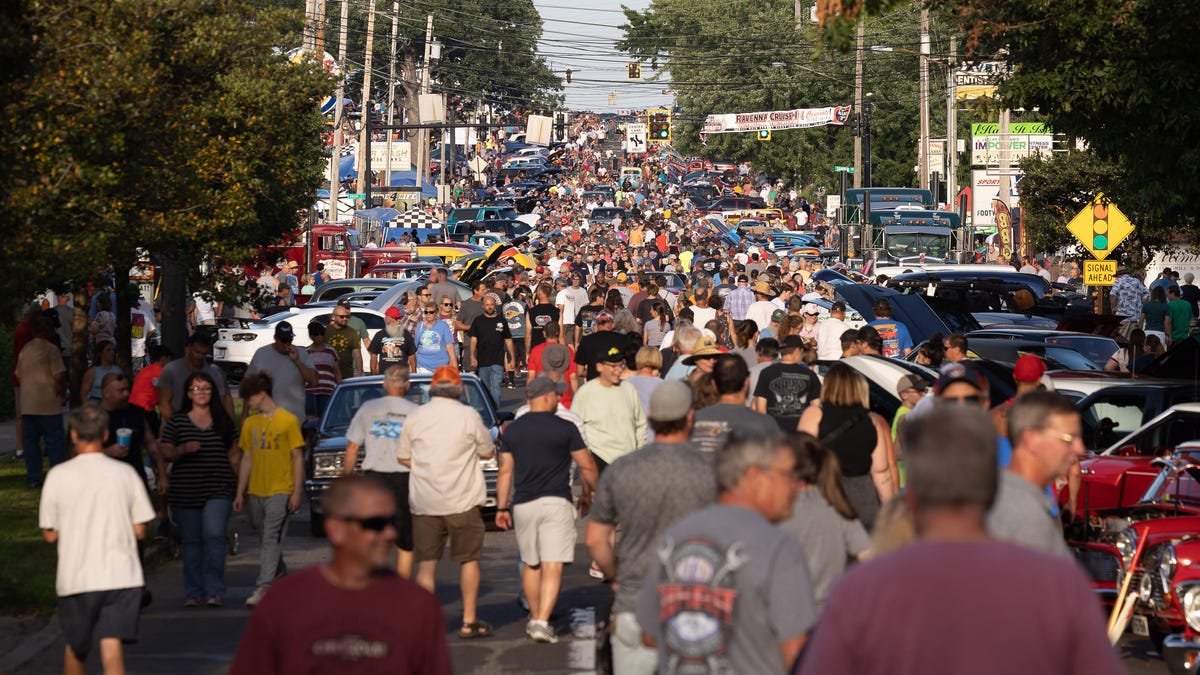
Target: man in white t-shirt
{"points": [[95, 508], [829, 333]]}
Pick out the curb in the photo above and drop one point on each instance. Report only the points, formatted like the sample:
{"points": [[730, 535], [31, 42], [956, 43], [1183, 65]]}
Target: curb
{"points": [[157, 553]]}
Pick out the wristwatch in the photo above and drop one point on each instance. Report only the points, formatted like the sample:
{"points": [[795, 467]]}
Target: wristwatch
{"points": [[503, 510]]}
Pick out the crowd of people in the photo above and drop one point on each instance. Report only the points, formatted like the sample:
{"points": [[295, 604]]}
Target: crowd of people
{"points": [[750, 512]]}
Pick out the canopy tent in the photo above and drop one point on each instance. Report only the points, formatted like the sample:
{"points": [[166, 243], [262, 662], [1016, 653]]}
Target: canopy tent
{"points": [[409, 179]]}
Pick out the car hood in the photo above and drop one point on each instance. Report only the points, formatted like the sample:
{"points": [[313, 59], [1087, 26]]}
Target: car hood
{"points": [[922, 322]]}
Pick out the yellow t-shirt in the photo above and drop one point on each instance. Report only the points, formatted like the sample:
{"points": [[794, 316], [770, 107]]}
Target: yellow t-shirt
{"points": [[269, 440], [685, 260]]}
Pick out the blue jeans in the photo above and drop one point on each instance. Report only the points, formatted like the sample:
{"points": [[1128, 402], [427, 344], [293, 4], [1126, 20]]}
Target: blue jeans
{"points": [[49, 430], [203, 534], [491, 376]]}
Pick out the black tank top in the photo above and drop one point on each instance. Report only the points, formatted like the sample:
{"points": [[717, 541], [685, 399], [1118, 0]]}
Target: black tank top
{"points": [[855, 440]]}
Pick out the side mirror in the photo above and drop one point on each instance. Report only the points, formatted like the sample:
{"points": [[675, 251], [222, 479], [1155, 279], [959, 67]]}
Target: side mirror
{"points": [[503, 416]]}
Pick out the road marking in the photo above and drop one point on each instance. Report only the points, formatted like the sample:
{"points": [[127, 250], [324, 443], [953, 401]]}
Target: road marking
{"points": [[582, 656]]}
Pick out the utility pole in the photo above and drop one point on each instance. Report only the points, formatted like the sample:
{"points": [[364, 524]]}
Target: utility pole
{"points": [[923, 153], [387, 163], [797, 9], [952, 129], [442, 134], [364, 142], [310, 28], [423, 134], [319, 43], [335, 163], [858, 100]]}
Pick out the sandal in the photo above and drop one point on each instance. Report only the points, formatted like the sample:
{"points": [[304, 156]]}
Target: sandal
{"points": [[479, 629]]}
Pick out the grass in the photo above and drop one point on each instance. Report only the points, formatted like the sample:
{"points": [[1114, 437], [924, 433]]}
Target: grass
{"points": [[29, 567]]}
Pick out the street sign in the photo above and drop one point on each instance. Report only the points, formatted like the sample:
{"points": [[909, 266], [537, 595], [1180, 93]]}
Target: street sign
{"points": [[635, 138], [356, 195], [1100, 227], [1099, 272], [847, 169]]}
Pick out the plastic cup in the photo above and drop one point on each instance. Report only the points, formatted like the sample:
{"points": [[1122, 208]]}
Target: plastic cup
{"points": [[124, 436]]}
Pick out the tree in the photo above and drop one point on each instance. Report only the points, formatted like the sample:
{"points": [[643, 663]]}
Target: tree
{"points": [[172, 126]]}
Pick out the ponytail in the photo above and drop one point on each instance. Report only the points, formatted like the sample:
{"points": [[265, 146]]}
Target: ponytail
{"points": [[818, 466]]}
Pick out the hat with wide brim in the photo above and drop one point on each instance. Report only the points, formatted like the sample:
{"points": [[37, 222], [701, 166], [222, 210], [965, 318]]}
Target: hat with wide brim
{"points": [[763, 288], [704, 348]]}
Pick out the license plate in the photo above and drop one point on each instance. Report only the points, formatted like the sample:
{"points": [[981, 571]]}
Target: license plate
{"points": [[1141, 626]]}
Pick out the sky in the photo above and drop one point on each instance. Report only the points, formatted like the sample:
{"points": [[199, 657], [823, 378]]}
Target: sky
{"points": [[581, 38]]}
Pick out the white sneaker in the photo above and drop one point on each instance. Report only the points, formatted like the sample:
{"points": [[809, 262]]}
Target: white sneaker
{"points": [[256, 597], [595, 572], [541, 631]]}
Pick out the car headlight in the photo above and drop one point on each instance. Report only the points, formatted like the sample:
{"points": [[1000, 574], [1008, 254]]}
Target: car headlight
{"points": [[1145, 589], [1166, 564], [327, 465], [489, 464], [1189, 595], [1126, 543], [244, 337]]}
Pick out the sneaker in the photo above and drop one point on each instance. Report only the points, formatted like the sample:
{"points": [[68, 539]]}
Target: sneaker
{"points": [[19, 453], [191, 602], [595, 572], [256, 597], [213, 601], [541, 631]]}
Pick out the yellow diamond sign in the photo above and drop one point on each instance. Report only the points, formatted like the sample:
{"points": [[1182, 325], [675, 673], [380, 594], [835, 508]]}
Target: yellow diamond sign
{"points": [[1100, 227]]}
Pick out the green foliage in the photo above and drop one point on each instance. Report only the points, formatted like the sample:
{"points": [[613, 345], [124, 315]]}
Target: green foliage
{"points": [[30, 564], [7, 363], [162, 124]]}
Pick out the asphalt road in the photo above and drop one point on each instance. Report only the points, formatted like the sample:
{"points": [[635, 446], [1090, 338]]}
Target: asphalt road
{"points": [[203, 641]]}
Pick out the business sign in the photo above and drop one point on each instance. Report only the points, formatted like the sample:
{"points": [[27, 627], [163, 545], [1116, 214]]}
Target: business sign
{"points": [[1099, 272], [800, 118], [977, 80], [1004, 229], [986, 150], [636, 135], [1100, 227], [984, 190], [401, 155]]}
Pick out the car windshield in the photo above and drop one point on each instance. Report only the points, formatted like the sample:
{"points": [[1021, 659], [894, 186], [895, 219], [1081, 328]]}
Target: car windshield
{"points": [[1096, 348], [348, 399], [1178, 482], [908, 244], [1062, 358]]}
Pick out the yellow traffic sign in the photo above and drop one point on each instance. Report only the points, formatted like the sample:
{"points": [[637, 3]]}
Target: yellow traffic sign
{"points": [[1100, 227], [1099, 272]]}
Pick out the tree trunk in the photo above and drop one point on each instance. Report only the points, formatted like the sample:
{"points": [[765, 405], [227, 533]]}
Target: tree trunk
{"points": [[173, 294]]}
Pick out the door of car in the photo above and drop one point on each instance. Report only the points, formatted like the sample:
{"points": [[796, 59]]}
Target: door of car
{"points": [[1110, 416]]}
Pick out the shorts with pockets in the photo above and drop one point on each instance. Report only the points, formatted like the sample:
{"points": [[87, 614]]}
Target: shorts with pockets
{"points": [[465, 531], [545, 530], [99, 615]]}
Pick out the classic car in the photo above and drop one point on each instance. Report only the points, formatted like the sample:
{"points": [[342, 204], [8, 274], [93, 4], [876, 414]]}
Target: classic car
{"points": [[325, 455]]}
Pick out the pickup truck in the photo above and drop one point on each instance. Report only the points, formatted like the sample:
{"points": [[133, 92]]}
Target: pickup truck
{"points": [[340, 249]]}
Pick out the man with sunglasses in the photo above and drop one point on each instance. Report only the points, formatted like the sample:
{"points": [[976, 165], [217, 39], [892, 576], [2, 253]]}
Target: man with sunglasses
{"points": [[345, 339], [340, 616], [1046, 435]]}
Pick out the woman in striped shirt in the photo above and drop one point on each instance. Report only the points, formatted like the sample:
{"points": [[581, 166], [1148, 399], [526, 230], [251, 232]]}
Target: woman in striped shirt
{"points": [[201, 443]]}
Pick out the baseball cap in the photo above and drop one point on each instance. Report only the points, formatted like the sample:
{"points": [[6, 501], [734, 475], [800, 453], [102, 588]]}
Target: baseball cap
{"points": [[810, 308], [605, 316], [670, 401], [911, 382], [284, 332], [778, 315], [960, 372], [392, 313], [622, 277], [542, 385], [1029, 368], [613, 355], [555, 358], [447, 375]]}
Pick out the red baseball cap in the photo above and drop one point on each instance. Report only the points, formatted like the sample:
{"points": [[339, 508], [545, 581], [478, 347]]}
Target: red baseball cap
{"points": [[392, 313], [1029, 368]]}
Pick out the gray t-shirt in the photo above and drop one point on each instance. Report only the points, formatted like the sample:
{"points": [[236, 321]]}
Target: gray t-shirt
{"points": [[828, 539], [175, 374], [724, 590], [469, 309], [443, 289], [1021, 515], [644, 493], [713, 425], [376, 428], [288, 384]]}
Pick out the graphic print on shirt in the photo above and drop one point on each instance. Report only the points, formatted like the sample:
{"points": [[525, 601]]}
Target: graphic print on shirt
{"points": [[696, 596], [392, 348], [351, 648], [789, 392], [891, 338], [389, 429], [430, 341]]}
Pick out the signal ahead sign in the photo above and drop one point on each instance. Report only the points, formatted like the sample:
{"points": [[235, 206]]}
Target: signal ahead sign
{"points": [[1100, 227], [1099, 272]]}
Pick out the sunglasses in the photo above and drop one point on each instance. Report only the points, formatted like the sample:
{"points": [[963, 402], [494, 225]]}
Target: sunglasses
{"points": [[341, 316], [961, 400], [372, 523]]}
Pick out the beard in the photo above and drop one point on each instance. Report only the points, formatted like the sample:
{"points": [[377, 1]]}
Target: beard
{"points": [[394, 330]]}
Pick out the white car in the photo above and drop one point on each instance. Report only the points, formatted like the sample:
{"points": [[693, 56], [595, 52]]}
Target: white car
{"points": [[236, 346]]}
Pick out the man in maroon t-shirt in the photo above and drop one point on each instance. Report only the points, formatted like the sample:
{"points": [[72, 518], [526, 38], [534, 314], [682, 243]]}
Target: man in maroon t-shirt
{"points": [[340, 616]]}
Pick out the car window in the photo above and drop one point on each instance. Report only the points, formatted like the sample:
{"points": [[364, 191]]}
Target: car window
{"points": [[1069, 359], [1096, 348], [1108, 419], [348, 399], [1163, 437], [327, 292], [371, 321]]}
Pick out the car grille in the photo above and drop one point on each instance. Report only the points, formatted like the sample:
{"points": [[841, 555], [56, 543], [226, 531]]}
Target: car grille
{"points": [[1101, 566]]}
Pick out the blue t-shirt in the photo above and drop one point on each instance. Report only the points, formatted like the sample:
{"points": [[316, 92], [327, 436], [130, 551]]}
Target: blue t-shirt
{"points": [[896, 339], [431, 345]]}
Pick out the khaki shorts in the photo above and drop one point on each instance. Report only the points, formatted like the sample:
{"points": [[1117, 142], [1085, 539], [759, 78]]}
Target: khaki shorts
{"points": [[465, 531], [545, 530]]}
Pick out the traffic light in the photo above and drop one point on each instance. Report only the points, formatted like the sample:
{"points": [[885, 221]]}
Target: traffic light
{"points": [[568, 76], [764, 134], [560, 127], [635, 70], [855, 124], [1100, 227], [660, 125]]}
